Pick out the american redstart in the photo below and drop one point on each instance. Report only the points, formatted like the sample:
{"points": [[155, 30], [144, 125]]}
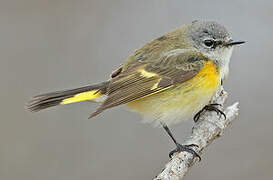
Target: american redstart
{"points": [[168, 80]]}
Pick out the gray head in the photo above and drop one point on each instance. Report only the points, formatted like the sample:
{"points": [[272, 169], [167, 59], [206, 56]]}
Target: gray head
{"points": [[213, 40]]}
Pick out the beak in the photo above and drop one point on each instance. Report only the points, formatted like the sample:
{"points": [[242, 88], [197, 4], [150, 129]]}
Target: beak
{"points": [[232, 43]]}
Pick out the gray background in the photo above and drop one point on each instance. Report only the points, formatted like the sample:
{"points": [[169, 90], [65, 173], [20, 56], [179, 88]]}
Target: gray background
{"points": [[48, 45]]}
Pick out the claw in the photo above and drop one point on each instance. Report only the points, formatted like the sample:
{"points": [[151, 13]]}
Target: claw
{"points": [[187, 148], [197, 116], [220, 112], [210, 107]]}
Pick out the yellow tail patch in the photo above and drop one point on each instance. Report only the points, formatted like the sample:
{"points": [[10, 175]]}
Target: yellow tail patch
{"points": [[85, 96]]}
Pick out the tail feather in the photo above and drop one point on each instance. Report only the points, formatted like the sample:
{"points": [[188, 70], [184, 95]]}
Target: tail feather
{"points": [[44, 101]]}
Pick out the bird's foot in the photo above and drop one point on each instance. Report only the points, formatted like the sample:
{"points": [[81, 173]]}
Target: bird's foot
{"points": [[210, 107], [187, 148]]}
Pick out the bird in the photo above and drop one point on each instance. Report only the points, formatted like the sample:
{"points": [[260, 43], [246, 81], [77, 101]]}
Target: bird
{"points": [[168, 80]]}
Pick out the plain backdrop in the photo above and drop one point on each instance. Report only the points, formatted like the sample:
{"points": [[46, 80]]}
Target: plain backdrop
{"points": [[48, 45]]}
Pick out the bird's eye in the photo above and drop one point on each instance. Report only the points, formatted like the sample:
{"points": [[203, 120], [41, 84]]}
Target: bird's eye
{"points": [[209, 43]]}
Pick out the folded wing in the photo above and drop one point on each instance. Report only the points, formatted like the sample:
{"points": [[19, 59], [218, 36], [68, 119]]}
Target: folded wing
{"points": [[154, 77]]}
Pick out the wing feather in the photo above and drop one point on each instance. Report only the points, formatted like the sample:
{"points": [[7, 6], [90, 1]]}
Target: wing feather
{"points": [[151, 78]]}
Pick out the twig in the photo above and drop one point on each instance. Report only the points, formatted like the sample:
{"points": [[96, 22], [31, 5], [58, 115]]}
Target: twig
{"points": [[209, 127]]}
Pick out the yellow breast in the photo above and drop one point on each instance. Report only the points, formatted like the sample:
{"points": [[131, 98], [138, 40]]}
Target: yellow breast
{"points": [[181, 101]]}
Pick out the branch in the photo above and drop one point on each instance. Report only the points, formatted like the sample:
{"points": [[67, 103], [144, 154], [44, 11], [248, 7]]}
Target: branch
{"points": [[209, 127]]}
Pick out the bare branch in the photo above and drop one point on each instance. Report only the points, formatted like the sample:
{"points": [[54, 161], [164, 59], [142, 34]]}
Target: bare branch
{"points": [[209, 127]]}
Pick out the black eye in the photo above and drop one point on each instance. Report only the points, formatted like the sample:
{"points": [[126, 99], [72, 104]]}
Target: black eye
{"points": [[209, 43]]}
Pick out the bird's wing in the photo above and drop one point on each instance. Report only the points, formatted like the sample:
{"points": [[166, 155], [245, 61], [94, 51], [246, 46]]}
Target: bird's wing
{"points": [[146, 79]]}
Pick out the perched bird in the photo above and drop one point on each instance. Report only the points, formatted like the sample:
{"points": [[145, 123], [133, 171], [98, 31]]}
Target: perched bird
{"points": [[168, 80]]}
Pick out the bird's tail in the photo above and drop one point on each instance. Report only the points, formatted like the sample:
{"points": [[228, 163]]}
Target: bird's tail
{"points": [[88, 93]]}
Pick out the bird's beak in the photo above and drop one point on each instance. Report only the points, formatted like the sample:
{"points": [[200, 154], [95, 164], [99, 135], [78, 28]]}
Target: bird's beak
{"points": [[232, 43]]}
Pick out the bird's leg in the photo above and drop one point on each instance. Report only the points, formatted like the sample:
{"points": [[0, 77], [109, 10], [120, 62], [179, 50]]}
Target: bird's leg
{"points": [[209, 107], [180, 147]]}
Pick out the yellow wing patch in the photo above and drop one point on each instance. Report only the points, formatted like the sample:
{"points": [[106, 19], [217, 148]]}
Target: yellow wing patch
{"points": [[156, 84], [146, 74], [85, 96]]}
